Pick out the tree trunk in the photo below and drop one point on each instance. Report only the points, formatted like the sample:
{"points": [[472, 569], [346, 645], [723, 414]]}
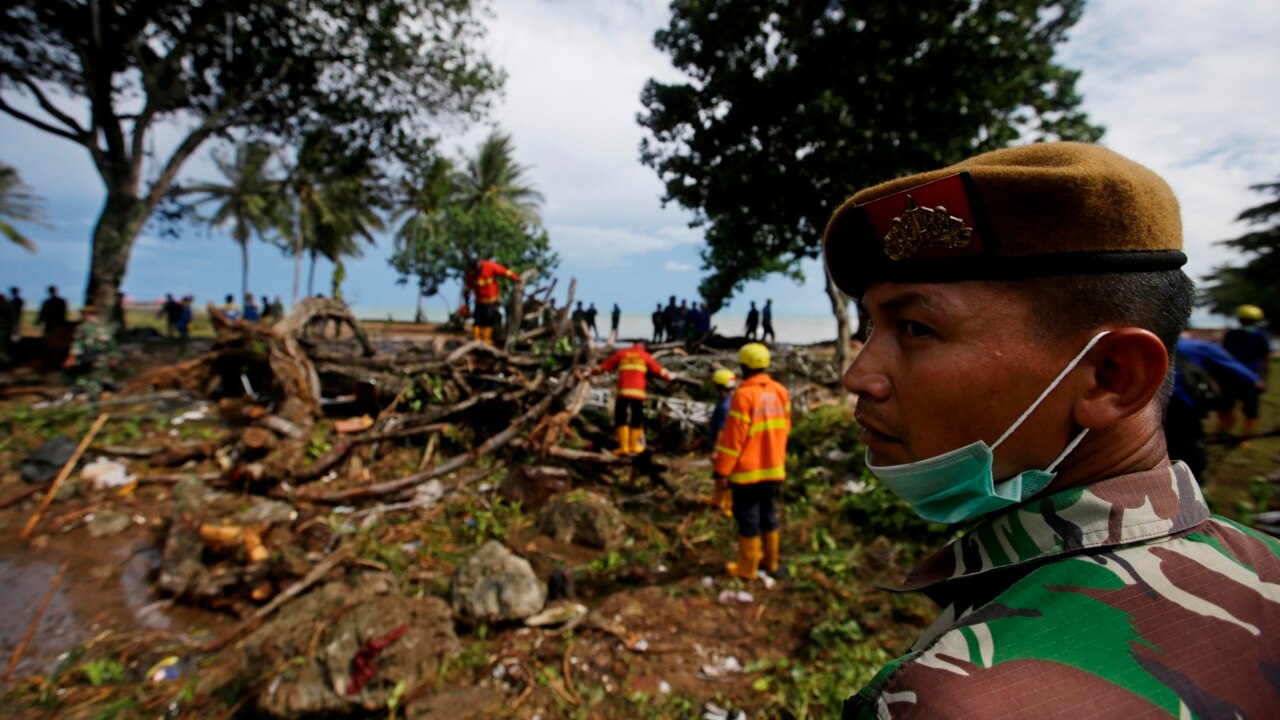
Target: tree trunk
{"points": [[311, 276], [297, 257], [242, 237], [121, 220], [840, 307]]}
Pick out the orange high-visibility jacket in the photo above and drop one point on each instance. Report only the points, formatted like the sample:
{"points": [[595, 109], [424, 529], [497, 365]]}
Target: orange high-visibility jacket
{"points": [[485, 282], [752, 447], [633, 365]]}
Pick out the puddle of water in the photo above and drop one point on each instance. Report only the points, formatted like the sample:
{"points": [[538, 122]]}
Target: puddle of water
{"points": [[107, 586]]}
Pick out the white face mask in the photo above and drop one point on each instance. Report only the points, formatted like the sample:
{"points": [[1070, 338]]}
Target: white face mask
{"points": [[958, 485]]}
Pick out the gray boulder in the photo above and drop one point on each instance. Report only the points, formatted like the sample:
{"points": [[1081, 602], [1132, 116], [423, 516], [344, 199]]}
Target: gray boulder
{"points": [[494, 585], [302, 661], [583, 517]]}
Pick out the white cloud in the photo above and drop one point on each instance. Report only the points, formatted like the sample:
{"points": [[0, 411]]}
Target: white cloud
{"points": [[604, 246], [1188, 89], [673, 266]]}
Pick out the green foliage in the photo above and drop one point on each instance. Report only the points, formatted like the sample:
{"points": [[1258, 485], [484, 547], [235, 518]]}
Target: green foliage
{"points": [[489, 211], [792, 106], [1254, 282], [379, 74], [17, 202], [101, 671], [478, 521]]}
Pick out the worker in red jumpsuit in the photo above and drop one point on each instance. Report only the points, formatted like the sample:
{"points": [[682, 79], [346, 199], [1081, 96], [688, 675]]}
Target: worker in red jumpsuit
{"points": [[482, 282], [633, 365]]}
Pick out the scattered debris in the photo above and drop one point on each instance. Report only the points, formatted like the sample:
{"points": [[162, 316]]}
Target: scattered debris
{"points": [[104, 473]]}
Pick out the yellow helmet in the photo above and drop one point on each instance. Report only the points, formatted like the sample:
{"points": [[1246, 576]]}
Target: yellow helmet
{"points": [[1250, 312], [754, 356], [724, 377]]}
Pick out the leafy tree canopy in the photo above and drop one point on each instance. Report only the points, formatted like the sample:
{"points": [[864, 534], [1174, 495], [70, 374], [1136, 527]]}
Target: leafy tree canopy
{"points": [[792, 106], [379, 73], [1253, 283], [17, 202]]}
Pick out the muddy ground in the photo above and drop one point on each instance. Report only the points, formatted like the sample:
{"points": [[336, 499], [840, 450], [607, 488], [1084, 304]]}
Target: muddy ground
{"points": [[663, 638]]}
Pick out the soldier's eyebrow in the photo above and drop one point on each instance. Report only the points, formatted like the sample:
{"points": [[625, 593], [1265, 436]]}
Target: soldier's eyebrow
{"points": [[908, 298]]}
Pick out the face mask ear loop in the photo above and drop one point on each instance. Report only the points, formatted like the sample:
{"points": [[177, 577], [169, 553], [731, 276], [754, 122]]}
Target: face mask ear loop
{"points": [[1070, 446], [1070, 366]]}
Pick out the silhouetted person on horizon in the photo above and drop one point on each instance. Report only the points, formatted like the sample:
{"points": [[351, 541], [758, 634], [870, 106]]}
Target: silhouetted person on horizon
{"points": [[53, 312], [753, 321], [766, 322]]}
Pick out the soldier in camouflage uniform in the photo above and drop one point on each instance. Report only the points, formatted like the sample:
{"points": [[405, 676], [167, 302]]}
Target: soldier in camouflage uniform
{"points": [[93, 353], [1030, 298]]}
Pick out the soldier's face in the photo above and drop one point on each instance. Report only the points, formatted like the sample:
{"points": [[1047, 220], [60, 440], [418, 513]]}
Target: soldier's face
{"points": [[948, 364]]}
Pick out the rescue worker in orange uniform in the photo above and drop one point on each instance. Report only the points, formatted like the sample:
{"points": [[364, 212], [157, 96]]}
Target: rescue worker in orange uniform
{"points": [[751, 454], [633, 365], [725, 381], [482, 281]]}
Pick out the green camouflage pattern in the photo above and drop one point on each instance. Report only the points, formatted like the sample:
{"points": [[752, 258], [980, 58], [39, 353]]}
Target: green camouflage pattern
{"points": [[1125, 598], [93, 348]]}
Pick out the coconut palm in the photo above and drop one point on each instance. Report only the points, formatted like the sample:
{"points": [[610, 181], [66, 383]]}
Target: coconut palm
{"points": [[493, 177], [332, 217], [251, 199], [17, 202], [421, 219]]}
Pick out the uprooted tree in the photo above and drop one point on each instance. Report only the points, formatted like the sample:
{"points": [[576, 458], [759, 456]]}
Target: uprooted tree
{"points": [[109, 75], [790, 107]]}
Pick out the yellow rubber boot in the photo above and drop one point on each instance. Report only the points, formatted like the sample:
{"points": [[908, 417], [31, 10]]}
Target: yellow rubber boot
{"points": [[477, 332], [624, 440], [726, 500], [488, 336], [749, 555], [770, 560], [637, 440]]}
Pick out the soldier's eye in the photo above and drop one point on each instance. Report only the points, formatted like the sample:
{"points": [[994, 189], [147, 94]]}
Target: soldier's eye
{"points": [[916, 329]]}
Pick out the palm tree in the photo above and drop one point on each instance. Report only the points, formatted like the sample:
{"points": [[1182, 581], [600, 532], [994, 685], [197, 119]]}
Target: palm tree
{"points": [[332, 216], [421, 216], [251, 200], [494, 178], [17, 202]]}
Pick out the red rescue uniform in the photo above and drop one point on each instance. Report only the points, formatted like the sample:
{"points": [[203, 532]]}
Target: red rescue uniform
{"points": [[752, 447], [633, 365], [485, 282]]}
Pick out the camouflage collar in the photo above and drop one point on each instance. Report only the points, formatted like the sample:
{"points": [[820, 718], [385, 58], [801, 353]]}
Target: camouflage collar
{"points": [[1118, 511]]}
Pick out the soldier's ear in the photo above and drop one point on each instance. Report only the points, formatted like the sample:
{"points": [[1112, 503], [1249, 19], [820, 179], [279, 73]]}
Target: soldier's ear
{"points": [[1123, 373]]}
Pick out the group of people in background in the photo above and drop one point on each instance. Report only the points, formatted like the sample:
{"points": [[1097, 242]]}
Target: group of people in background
{"points": [[1217, 378], [683, 322], [269, 311]]}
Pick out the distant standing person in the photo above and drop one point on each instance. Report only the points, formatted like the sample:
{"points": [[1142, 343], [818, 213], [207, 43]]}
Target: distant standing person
{"points": [[229, 308], [725, 381], [482, 282], [183, 322], [171, 310], [633, 365], [4, 330], [614, 317], [16, 303], [251, 313], [766, 322], [93, 353], [753, 321], [1250, 345], [1198, 365], [659, 323], [591, 320], [53, 312]]}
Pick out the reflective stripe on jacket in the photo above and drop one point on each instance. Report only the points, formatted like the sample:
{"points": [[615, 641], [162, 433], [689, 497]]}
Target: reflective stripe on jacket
{"points": [[485, 282], [752, 447], [633, 365]]}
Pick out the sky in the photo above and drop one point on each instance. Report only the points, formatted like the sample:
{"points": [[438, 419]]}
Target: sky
{"points": [[1186, 87]]}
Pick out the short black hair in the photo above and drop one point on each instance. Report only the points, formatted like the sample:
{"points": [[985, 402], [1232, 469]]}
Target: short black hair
{"points": [[1068, 305]]}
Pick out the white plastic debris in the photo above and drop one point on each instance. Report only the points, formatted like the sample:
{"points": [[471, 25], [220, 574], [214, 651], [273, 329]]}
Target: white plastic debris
{"points": [[104, 473], [854, 487], [708, 581], [640, 645], [728, 597], [664, 687]]}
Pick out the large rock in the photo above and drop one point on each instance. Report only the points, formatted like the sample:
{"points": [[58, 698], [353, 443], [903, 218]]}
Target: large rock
{"points": [[583, 517], [301, 662], [532, 485], [494, 585]]}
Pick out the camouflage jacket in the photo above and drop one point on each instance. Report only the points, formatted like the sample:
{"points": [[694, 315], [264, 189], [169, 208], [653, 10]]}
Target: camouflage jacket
{"points": [[1125, 598], [94, 339]]}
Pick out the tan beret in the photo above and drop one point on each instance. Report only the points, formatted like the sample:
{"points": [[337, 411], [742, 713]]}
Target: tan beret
{"points": [[1036, 210]]}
